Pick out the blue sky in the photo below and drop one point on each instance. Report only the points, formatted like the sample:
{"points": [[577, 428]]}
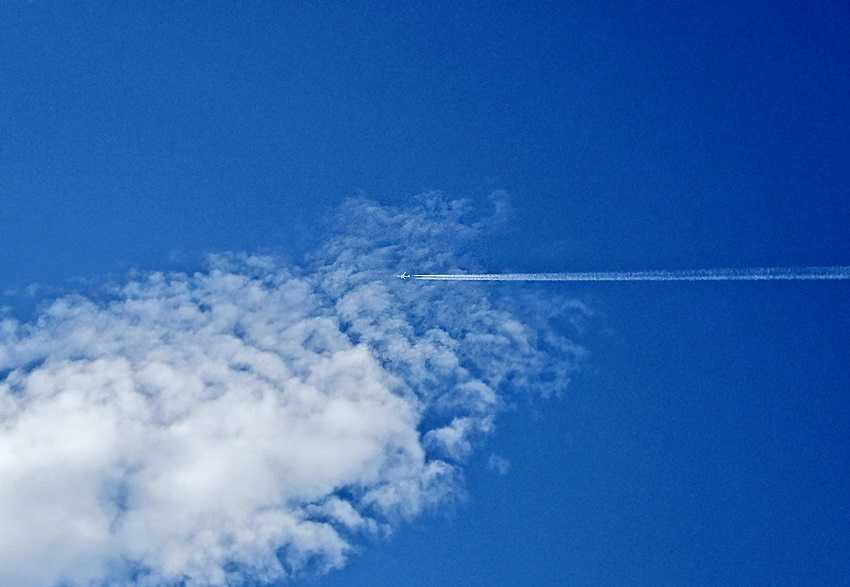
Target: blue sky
{"points": [[706, 435]]}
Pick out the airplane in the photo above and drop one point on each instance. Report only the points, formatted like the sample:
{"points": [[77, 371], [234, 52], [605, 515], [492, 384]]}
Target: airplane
{"points": [[403, 275]]}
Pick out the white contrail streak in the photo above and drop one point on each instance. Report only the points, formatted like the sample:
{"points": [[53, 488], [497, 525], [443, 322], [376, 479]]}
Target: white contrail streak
{"points": [[726, 274]]}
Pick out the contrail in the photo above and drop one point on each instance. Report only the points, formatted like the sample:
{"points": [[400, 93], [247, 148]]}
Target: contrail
{"points": [[724, 274]]}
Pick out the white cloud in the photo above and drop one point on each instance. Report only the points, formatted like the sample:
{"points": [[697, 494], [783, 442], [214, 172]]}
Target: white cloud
{"points": [[252, 420], [499, 464]]}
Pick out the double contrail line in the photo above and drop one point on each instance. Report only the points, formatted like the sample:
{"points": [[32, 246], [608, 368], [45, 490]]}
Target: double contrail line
{"points": [[725, 274]]}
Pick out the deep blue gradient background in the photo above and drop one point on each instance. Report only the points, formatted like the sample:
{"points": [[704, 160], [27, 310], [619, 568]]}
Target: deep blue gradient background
{"points": [[706, 441]]}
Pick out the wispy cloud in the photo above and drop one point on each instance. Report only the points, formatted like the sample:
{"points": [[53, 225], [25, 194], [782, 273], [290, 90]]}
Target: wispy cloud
{"points": [[250, 421], [499, 464]]}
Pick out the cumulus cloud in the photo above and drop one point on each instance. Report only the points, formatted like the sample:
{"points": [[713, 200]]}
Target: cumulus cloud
{"points": [[251, 421]]}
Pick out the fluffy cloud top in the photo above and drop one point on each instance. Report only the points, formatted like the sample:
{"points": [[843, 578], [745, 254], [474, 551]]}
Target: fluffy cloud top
{"points": [[249, 422]]}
